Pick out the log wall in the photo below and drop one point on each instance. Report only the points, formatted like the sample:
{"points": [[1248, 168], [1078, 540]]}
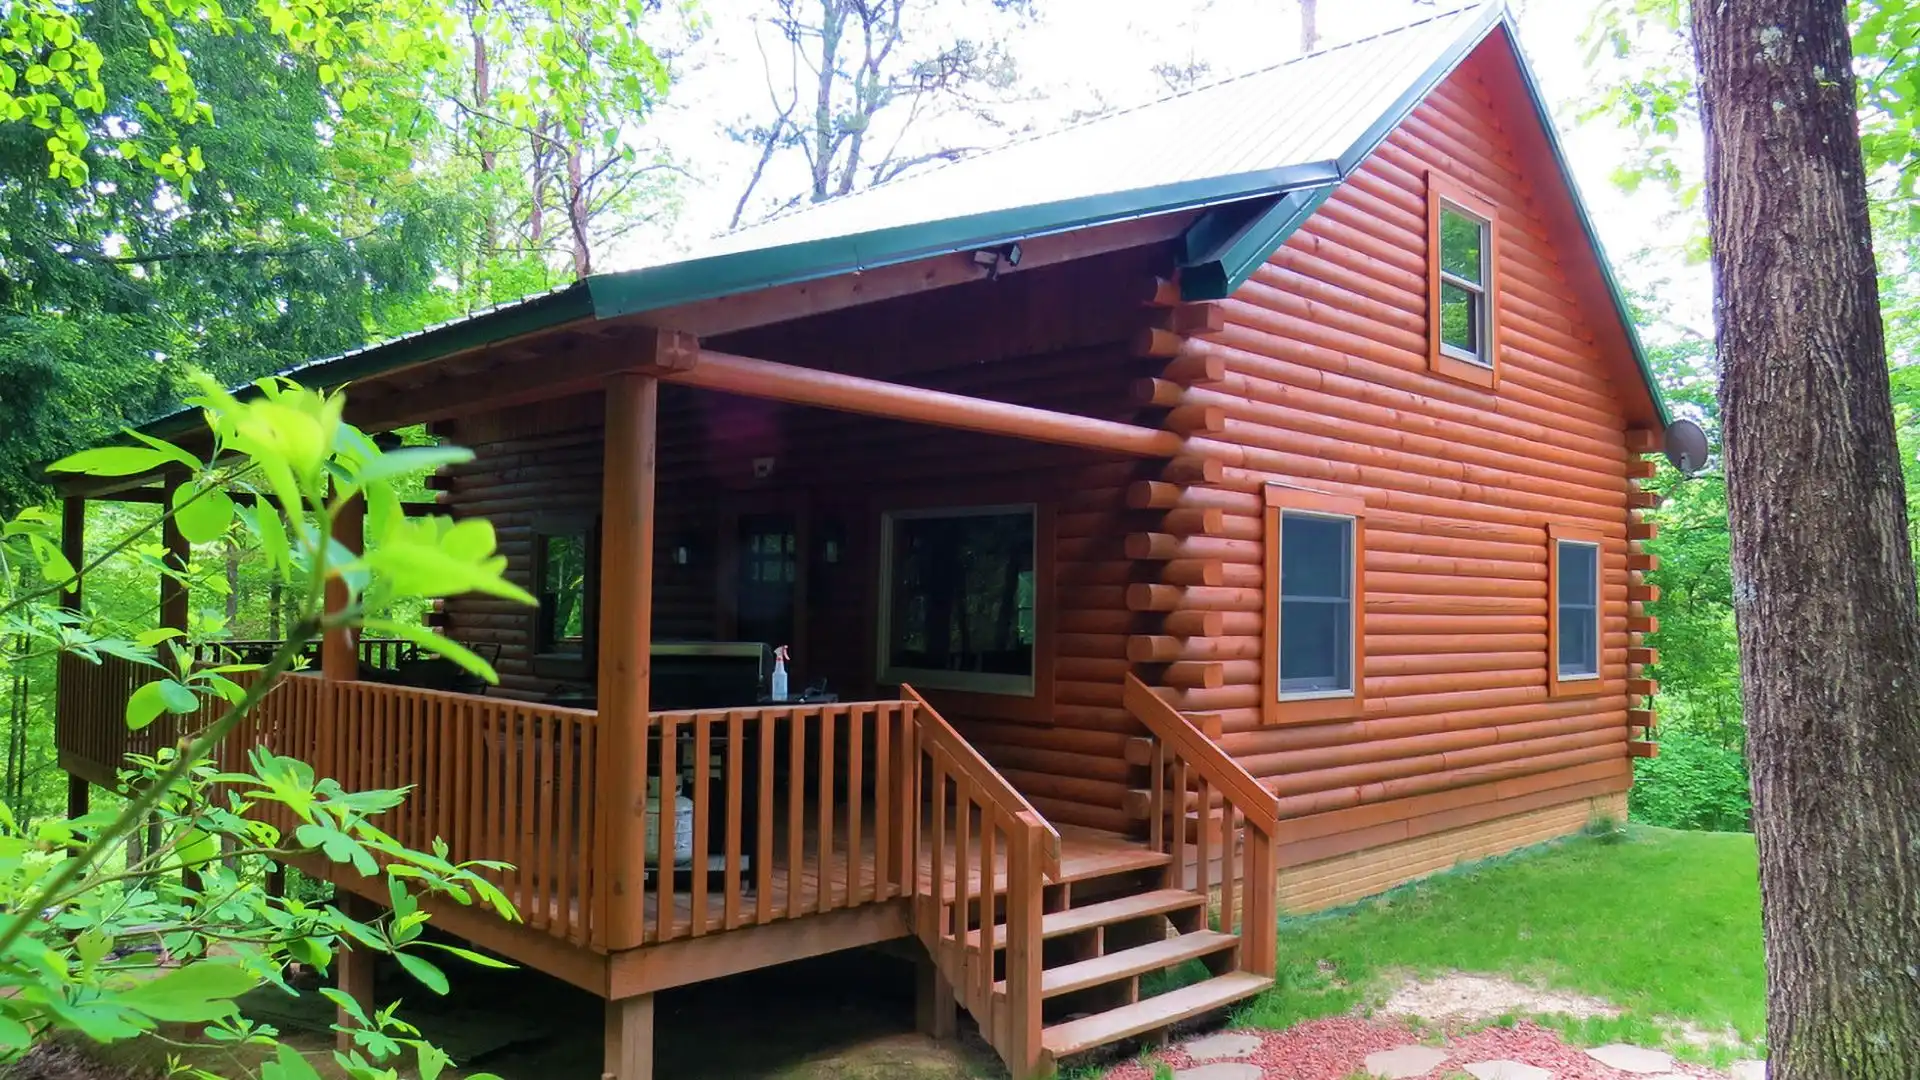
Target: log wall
{"points": [[1318, 377]]}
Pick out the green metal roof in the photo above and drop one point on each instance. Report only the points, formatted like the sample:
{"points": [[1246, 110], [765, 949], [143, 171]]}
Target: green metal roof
{"points": [[1260, 152]]}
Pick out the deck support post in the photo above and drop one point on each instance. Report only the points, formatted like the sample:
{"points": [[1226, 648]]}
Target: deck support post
{"points": [[173, 590], [353, 968], [339, 655], [629, 1049], [626, 649], [73, 545], [935, 1012]]}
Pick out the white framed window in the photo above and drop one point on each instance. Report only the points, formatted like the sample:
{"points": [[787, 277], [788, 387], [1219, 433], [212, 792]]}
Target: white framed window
{"points": [[1466, 242], [1315, 606], [1574, 563], [957, 598]]}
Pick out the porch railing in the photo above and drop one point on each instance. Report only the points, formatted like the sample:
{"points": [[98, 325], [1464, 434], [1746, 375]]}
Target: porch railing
{"points": [[1210, 814]]}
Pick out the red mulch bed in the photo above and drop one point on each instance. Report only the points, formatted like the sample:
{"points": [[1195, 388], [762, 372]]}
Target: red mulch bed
{"points": [[1336, 1048]]}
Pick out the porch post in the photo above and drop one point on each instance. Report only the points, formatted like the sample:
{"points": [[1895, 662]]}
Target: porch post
{"points": [[73, 545], [173, 591], [626, 639], [339, 651]]}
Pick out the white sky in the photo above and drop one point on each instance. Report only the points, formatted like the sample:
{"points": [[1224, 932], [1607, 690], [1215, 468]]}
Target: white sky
{"points": [[1083, 52]]}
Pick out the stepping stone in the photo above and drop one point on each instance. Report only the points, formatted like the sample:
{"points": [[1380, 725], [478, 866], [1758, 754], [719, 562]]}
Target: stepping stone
{"points": [[1225, 1070], [1749, 1070], [1633, 1059], [1222, 1046], [1506, 1070], [1404, 1062]]}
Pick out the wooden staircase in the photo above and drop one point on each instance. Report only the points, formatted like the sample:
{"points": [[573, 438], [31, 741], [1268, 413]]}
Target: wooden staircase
{"points": [[1054, 939]]}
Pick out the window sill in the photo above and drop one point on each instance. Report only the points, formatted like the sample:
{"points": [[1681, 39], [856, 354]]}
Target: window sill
{"points": [[1589, 686], [1314, 710], [1484, 376]]}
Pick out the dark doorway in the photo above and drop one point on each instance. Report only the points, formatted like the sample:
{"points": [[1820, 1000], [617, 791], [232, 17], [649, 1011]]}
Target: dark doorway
{"points": [[769, 574]]}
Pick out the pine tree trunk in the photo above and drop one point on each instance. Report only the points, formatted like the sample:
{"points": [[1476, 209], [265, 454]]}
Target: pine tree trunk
{"points": [[1824, 583], [1309, 25]]}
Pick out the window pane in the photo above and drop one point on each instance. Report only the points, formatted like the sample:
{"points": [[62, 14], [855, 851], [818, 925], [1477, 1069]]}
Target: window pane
{"points": [[1316, 604], [962, 593], [563, 586], [1462, 243], [1460, 318], [1578, 581]]}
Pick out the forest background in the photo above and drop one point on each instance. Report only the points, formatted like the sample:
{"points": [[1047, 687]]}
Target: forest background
{"points": [[182, 188]]}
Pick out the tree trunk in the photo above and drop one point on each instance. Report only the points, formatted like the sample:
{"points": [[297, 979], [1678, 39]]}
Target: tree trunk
{"points": [[577, 209], [1824, 584], [1309, 25]]}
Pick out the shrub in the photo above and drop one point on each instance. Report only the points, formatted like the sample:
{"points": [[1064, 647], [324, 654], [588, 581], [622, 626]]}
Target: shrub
{"points": [[1697, 782]]}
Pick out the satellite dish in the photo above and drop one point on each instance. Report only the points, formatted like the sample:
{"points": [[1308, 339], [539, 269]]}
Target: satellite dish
{"points": [[1686, 446]]}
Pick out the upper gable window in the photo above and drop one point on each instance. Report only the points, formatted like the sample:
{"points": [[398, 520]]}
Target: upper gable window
{"points": [[1462, 234]]}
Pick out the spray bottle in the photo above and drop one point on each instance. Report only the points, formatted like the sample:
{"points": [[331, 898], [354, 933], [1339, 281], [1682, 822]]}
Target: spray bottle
{"points": [[778, 684]]}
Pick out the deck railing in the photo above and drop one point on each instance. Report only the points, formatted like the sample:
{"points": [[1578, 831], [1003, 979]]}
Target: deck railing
{"points": [[788, 811], [1209, 813], [991, 855]]}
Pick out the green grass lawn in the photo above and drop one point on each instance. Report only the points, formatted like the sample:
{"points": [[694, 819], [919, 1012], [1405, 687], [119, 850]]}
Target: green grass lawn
{"points": [[1662, 924]]}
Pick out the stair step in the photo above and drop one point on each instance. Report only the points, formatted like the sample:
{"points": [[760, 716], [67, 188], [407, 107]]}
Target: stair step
{"points": [[1107, 912], [1129, 962], [1148, 1014], [1085, 866]]}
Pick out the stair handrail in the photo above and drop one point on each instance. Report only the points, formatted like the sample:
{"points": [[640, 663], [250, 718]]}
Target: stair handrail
{"points": [[986, 778], [1257, 807], [1260, 807]]}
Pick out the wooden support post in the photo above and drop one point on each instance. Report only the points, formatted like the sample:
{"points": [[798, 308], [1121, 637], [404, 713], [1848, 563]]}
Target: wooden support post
{"points": [[277, 880], [935, 1012], [173, 591], [79, 795], [626, 642], [339, 652], [353, 968], [629, 1039], [73, 544]]}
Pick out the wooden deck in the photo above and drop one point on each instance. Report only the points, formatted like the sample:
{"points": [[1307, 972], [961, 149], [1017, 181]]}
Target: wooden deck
{"points": [[851, 882]]}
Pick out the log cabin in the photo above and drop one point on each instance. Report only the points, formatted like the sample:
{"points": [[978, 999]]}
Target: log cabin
{"points": [[1218, 509]]}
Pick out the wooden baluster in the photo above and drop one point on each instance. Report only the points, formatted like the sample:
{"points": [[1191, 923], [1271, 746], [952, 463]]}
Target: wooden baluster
{"points": [[702, 770], [963, 861], [824, 812], [937, 926], [856, 751], [763, 853], [667, 830], [989, 890], [1203, 854], [1227, 871], [527, 805], [545, 837], [796, 811], [1177, 821], [567, 741], [736, 782], [1157, 799], [883, 783]]}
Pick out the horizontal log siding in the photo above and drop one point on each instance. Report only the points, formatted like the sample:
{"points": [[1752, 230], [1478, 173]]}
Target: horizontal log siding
{"points": [[1326, 386]]}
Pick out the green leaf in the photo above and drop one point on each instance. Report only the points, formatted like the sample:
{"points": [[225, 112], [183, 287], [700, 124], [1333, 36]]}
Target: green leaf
{"points": [[425, 638], [203, 514], [165, 695], [288, 1065], [411, 459], [150, 638], [196, 993], [111, 461], [429, 976]]}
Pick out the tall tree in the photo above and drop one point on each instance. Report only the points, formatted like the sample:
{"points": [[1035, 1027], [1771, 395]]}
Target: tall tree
{"points": [[852, 85], [1828, 618], [1309, 25]]}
